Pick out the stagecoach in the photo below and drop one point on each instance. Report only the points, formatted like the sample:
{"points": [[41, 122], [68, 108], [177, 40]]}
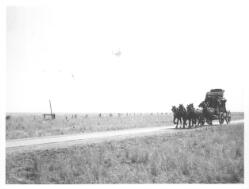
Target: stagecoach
{"points": [[214, 107]]}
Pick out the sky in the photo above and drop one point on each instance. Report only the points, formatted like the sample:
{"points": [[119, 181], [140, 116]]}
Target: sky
{"points": [[124, 56]]}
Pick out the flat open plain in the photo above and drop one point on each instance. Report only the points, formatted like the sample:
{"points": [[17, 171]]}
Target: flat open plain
{"points": [[211, 154]]}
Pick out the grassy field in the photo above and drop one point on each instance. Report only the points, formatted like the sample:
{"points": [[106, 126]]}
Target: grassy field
{"points": [[213, 154], [27, 125], [33, 125], [237, 115]]}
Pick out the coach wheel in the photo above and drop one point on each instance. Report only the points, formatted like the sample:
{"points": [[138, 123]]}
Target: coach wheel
{"points": [[221, 118], [228, 117]]}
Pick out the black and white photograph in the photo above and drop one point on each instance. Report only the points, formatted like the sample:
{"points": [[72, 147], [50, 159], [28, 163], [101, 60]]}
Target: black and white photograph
{"points": [[125, 92]]}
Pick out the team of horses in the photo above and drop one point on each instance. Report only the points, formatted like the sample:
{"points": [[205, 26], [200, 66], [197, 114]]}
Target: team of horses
{"points": [[191, 116]]}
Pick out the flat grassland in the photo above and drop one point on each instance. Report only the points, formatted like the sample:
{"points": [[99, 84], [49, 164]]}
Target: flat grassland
{"points": [[33, 125], [213, 154], [27, 125]]}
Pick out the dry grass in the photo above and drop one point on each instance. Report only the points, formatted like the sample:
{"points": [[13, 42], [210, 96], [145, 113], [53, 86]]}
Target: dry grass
{"points": [[237, 115], [28, 125], [212, 155]]}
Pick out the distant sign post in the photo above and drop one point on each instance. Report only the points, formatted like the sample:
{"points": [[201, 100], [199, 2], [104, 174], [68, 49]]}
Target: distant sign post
{"points": [[51, 115]]}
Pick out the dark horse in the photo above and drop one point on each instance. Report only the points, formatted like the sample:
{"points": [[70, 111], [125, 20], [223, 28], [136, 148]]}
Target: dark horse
{"points": [[176, 116], [191, 116], [199, 117], [194, 116], [183, 114]]}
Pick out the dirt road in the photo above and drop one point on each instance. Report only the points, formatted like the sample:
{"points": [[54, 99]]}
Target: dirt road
{"points": [[62, 141]]}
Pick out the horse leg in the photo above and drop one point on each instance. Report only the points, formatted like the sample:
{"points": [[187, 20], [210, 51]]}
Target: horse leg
{"points": [[195, 122], [178, 119]]}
